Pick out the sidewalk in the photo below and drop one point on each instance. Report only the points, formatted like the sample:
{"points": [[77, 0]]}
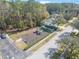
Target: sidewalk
{"points": [[41, 43]]}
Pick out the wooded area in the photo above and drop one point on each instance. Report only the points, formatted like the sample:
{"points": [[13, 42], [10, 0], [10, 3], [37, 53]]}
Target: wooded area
{"points": [[21, 15]]}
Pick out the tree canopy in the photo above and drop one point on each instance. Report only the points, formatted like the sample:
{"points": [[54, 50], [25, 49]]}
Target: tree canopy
{"points": [[21, 15], [69, 48]]}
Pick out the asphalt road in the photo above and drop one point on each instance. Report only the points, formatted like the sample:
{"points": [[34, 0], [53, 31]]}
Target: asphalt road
{"points": [[40, 53], [9, 51]]}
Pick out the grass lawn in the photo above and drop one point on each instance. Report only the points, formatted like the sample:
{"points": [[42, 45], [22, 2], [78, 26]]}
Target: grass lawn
{"points": [[21, 45]]}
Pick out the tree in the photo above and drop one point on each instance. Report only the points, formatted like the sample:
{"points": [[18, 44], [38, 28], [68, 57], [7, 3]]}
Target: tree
{"points": [[3, 11], [21, 15], [75, 24], [69, 48]]}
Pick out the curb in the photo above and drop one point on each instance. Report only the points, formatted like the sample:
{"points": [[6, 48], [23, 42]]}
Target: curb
{"points": [[40, 43]]}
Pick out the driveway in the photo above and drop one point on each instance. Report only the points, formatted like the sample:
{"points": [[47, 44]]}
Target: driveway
{"points": [[40, 53]]}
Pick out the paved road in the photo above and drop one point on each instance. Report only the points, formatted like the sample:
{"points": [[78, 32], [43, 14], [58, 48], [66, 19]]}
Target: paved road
{"points": [[40, 53], [9, 51]]}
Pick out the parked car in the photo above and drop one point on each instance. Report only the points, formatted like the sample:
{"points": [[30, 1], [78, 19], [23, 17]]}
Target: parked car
{"points": [[2, 36], [66, 34]]}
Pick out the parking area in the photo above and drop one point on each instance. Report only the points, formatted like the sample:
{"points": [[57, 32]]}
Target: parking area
{"points": [[9, 51], [42, 53]]}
